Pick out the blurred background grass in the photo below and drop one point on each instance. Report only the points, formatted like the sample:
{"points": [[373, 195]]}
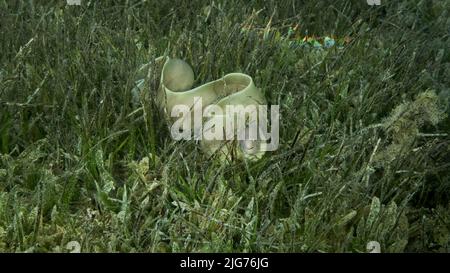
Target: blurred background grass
{"points": [[364, 152]]}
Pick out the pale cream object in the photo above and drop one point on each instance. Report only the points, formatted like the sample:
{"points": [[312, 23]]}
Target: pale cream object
{"points": [[177, 78]]}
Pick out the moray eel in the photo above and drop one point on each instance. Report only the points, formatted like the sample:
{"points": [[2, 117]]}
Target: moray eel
{"points": [[234, 89]]}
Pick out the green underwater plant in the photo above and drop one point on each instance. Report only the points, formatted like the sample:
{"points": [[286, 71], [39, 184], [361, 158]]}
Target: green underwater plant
{"points": [[403, 125]]}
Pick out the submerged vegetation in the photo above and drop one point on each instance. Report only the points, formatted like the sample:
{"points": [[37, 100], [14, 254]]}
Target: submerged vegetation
{"points": [[364, 130]]}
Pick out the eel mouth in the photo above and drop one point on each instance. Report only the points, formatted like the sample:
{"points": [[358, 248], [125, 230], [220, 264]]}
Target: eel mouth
{"points": [[234, 83], [230, 84]]}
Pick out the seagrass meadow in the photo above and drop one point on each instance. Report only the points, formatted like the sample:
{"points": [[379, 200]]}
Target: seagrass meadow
{"points": [[364, 150]]}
